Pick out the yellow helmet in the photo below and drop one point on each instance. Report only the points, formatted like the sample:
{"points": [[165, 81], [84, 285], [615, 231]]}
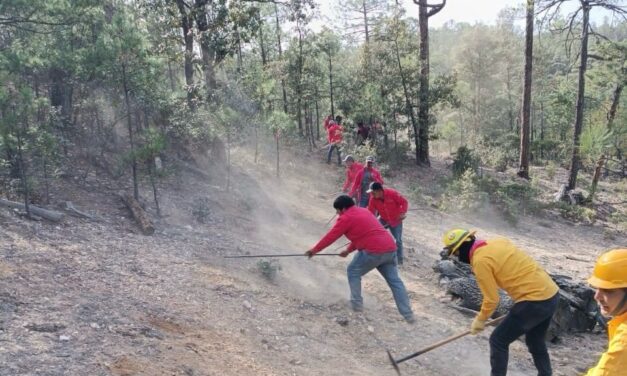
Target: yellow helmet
{"points": [[452, 239], [610, 271]]}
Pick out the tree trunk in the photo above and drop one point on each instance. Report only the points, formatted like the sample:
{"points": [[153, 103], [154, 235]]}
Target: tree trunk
{"points": [[130, 133], [228, 158], [300, 83], [40, 212], [615, 101], [523, 168], [422, 142], [425, 11], [188, 35], [207, 51], [153, 182], [596, 177], [139, 214], [408, 105], [576, 158], [264, 59], [278, 35], [276, 137], [331, 85], [510, 111], [317, 117], [22, 168]]}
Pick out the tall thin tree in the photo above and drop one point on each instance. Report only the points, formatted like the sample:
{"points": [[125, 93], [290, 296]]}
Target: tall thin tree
{"points": [[523, 169], [425, 10]]}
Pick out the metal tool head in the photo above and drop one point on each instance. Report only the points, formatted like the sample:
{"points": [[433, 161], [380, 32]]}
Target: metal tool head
{"points": [[394, 364]]}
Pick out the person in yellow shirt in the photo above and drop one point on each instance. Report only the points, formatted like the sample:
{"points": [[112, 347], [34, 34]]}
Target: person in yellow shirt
{"points": [[498, 263], [609, 278]]}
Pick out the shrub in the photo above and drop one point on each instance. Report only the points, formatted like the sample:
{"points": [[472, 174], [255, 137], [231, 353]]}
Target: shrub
{"points": [[465, 160], [551, 169], [464, 193], [576, 213], [471, 192], [268, 269]]}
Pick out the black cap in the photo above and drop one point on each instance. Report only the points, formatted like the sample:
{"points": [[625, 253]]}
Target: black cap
{"points": [[375, 186]]}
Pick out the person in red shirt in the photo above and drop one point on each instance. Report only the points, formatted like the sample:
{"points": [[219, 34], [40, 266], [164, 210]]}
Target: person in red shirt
{"points": [[352, 169], [363, 180], [327, 120], [376, 249], [392, 208], [334, 136]]}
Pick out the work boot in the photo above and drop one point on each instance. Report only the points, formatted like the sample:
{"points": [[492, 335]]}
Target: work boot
{"points": [[410, 319], [357, 308]]}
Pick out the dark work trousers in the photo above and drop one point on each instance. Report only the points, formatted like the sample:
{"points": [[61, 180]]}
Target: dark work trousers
{"points": [[531, 319]]}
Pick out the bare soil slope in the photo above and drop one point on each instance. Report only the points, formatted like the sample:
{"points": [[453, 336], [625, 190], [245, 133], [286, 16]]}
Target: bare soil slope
{"points": [[98, 298]]}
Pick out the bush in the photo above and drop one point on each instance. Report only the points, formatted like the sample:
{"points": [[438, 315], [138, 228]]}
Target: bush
{"points": [[551, 169], [576, 213], [465, 160], [268, 269], [464, 193], [512, 199], [471, 192]]}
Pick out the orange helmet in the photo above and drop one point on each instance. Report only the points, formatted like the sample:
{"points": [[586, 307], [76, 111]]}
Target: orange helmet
{"points": [[610, 271]]}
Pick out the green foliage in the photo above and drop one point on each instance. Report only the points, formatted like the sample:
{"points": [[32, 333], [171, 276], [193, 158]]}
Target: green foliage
{"points": [[268, 269], [464, 194], [576, 213], [511, 199], [596, 139], [551, 170], [279, 122], [465, 160]]}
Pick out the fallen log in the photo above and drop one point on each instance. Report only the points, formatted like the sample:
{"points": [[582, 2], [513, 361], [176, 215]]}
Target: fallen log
{"points": [[577, 310], [41, 212], [69, 206], [139, 214]]}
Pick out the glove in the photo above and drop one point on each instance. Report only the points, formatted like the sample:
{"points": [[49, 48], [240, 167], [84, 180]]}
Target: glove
{"points": [[344, 253], [477, 326], [309, 253]]}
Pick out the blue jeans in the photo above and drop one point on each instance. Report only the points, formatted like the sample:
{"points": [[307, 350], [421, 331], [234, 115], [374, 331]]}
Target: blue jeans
{"points": [[363, 200], [531, 319], [339, 154], [362, 263], [397, 233]]}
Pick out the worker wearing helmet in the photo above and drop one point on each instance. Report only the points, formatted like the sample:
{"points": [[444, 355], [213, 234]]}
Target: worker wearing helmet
{"points": [[498, 263], [610, 280]]}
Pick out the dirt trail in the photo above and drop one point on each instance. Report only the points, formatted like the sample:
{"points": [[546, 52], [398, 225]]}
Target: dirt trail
{"points": [[98, 298]]}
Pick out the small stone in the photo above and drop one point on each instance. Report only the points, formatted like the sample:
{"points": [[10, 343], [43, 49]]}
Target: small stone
{"points": [[295, 362], [64, 338], [371, 328], [94, 325], [248, 305], [343, 321]]}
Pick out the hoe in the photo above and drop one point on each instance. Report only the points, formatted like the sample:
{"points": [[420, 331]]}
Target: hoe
{"points": [[396, 362]]}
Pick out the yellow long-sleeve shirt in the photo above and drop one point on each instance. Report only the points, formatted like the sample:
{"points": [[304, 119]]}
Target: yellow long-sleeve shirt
{"points": [[500, 264], [613, 362]]}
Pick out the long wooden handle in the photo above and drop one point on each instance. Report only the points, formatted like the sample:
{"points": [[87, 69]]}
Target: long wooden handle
{"points": [[446, 340]]}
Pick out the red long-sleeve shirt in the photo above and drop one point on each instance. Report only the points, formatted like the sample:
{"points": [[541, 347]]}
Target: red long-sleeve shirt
{"points": [[351, 174], [362, 229], [334, 135], [374, 176], [390, 207]]}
